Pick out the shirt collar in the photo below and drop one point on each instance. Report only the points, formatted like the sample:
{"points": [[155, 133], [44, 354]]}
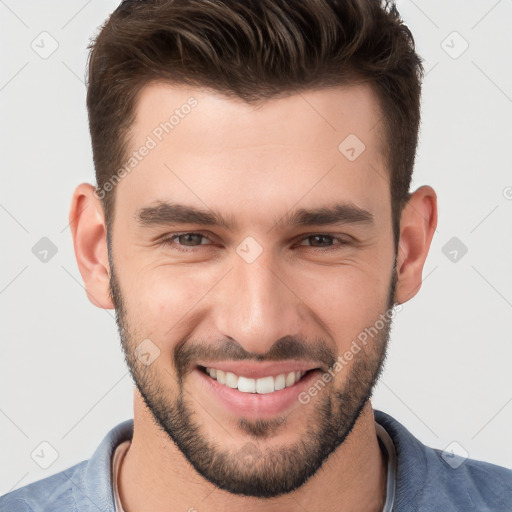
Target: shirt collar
{"points": [[96, 481]]}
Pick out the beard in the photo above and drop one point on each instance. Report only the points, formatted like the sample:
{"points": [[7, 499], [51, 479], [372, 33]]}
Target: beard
{"points": [[251, 471]]}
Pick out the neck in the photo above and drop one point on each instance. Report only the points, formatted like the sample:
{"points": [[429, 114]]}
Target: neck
{"points": [[156, 476]]}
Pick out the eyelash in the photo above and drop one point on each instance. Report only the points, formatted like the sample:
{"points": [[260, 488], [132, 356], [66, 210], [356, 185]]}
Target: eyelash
{"points": [[169, 241]]}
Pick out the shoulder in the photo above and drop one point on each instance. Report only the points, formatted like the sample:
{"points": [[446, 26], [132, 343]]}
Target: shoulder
{"points": [[84, 486], [51, 493], [430, 479], [485, 486]]}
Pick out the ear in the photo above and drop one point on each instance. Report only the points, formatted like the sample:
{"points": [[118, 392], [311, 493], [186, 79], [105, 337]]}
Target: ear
{"points": [[87, 223], [417, 225]]}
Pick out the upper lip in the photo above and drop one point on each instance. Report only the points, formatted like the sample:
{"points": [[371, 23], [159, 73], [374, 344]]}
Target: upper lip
{"points": [[258, 370]]}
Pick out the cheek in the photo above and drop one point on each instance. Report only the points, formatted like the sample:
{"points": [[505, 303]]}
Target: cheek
{"points": [[165, 303], [162, 301], [346, 299]]}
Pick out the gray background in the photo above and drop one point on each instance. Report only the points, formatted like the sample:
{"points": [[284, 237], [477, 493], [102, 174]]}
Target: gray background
{"points": [[63, 381]]}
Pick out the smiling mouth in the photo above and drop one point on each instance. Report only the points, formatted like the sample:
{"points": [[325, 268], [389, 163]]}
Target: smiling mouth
{"points": [[262, 385]]}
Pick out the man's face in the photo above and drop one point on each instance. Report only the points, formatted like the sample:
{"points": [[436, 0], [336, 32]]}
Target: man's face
{"points": [[262, 295]]}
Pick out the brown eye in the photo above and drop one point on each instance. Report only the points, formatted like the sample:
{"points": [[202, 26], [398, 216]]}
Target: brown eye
{"points": [[179, 240], [190, 239], [320, 239], [324, 241]]}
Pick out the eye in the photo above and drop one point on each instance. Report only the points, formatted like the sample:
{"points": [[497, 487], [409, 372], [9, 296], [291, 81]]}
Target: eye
{"points": [[188, 242], [185, 240], [322, 239]]}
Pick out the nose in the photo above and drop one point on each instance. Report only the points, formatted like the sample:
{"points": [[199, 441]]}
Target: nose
{"points": [[257, 304]]}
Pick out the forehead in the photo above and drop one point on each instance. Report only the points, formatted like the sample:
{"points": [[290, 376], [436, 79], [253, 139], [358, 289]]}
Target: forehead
{"points": [[327, 114], [315, 146]]}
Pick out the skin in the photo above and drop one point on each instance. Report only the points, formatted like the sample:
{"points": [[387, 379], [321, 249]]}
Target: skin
{"points": [[254, 164]]}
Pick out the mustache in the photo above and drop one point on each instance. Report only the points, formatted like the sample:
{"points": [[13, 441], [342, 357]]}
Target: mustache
{"points": [[285, 348]]}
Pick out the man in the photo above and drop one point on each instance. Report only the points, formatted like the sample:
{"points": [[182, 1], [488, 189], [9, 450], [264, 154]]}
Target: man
{"points": [[252, 226]]}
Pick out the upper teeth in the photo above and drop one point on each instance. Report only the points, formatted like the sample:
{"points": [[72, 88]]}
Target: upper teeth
{"points": [[261, 385]]}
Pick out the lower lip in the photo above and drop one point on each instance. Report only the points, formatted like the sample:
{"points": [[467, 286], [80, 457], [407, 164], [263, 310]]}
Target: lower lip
{"points": [[255, 405]]}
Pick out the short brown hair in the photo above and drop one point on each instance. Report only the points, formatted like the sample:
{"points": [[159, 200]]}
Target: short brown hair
{"points": [[254, 50]]}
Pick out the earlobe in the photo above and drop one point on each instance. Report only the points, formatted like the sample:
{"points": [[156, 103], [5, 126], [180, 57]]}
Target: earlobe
{"points": [[88, 229], [417, 226]]}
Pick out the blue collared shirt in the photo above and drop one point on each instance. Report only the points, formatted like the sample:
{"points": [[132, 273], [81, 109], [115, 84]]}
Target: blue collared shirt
{"points": [[426, 480]]}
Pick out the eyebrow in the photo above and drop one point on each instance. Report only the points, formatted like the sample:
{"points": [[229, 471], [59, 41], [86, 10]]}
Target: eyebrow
{"points": [[166, 213]]}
